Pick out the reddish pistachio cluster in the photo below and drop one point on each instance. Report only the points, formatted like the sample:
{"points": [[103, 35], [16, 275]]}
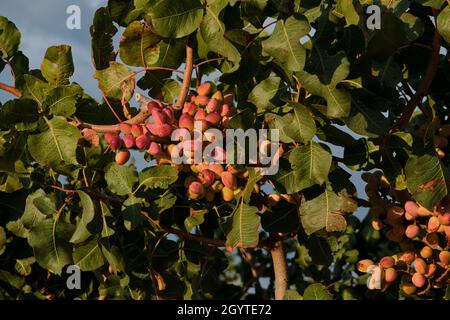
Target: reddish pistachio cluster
{"points": [[409, 225], [210, 110]]}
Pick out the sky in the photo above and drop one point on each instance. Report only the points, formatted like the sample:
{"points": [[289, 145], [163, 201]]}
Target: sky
{"points": [[42, 24]]}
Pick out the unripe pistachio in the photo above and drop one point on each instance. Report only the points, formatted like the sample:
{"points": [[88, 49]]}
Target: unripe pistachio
{"points": [[219, 154], [201, 101], [226, 122], [207, 177], [170, 114], [390, 275], [420, 266], [161, 131], [200, 114], [444, 218], [411, 207], [227, 194], [136, 130], [426, 252], [111, 136], [186, 121], [409, 217], [229, 180], [142, 141], [387, 262], [363, 265], [433, 224], [210, 135], [122, 156], [159, 117], [444, 257], [190, 108], [213, 118], [189, 180], [116, 143], [408, 288], [204, 89], [153, 105], [408, 257], [424, 212], [217, 168], [440, 153], [212, 106], [125, 128], [128, 141], [227, 110], [218, 96], [204, 125], [412, 231], [196, 187], [154, 148], [418, 280]]}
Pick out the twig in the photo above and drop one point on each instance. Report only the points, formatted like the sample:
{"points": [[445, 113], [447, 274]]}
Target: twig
{"points": [[187, 76], [279, 269], [10, 89]]}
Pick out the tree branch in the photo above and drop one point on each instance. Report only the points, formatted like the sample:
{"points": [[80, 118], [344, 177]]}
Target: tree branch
{"points": [[424, 85], [10, 89], [187, 76], [279, 269]]}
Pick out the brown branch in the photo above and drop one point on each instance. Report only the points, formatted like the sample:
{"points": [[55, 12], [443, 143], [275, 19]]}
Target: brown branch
{"points": [[10, 89], [279, 269], [187, 76], [424, 85]]}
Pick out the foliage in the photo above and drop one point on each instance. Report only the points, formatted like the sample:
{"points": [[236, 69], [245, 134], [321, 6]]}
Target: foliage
{"points": [[347, 100]]}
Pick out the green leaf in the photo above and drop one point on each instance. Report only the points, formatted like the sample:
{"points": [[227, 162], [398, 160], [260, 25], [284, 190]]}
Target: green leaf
{"points": [[245, 119], [311, 163], [9, 38], [349, 11], [284, 43], [131, 212], [107, 231], [325, 209], [365, 117], [37, 208], [170, 90], [298, 126], [165, 202], [327, 72], [61, 101], [102, 31], [57, 145], [57, 66], [158, 177], [242, 227], [121, 179], [23, 266], [292, 295], [49, 239], [443, 23], [212, 31], [114, 258], [88, 257], [18, 111], [174, 19], [319, 250], [426, 178], [194, 220], [139, 45], [89, 224], [316, 291], [263, 93], [116, 81], [253, 178], [35, 89]]}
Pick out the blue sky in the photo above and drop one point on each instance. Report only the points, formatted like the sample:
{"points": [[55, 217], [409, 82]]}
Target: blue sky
{"points": [[43, 24]]}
